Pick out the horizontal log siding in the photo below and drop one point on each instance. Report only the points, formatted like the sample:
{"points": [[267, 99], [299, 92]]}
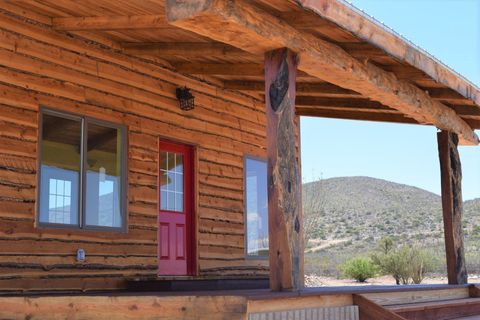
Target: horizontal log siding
{"points": [[41, 67]]}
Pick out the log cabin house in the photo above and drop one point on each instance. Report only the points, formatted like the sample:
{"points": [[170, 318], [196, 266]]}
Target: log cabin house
{"points": [[148, 145]]}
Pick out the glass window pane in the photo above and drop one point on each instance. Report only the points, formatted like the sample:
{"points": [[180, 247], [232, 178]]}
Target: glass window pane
{"points": [[171, 188], [179, 202], [179, 182], [163, 180], [256, 204], [68, 187], [53, 186], [171, 201], [163, 160], [171, 181], [60, 186], [179, 163], [60, 167], [170, 161], [163, 200], [103, 176]]}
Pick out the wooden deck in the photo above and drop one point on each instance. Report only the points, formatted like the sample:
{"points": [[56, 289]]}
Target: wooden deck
{"points": [[343, 303]]}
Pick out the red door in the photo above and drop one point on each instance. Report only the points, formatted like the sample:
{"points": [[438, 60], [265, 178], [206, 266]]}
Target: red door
{"points": [[176, 216]]}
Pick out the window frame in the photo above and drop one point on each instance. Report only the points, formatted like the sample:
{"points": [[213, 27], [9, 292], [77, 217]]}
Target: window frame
{"points": [[245, 159], [84, 121]]}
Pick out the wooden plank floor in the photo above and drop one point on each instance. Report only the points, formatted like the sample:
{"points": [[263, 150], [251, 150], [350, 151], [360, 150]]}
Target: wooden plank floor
{"points": [[225, 304]]}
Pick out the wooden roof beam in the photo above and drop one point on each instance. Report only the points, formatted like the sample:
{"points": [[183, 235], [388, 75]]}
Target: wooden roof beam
{"points": [[184, 49], [343, 104], [341, 14], [110, 23], [447, 94], [241, 69], [223, 69], [302, 87], [240, 24], [362, 50], [354, 115]]}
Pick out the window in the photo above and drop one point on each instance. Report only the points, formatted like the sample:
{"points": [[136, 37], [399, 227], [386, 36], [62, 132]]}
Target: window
{"points": [[82, 164], [171, 181], [256, 207]]}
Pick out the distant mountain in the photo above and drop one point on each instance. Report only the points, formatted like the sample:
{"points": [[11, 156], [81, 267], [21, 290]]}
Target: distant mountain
{"points": [[367, 209]]}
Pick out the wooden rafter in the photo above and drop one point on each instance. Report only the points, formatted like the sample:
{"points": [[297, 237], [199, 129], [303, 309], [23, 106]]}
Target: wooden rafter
{"points": [[184, 49], [348, 114], [304, 21], [466, 110], [340, 13], [241, 69], [447, 95], [344, 104], [257, 31], [327, 89], [302, 87], [110, 23], [362, 50], [227, 69]]}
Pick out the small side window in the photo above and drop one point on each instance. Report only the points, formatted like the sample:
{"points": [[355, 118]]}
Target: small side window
{"points": [[256, 207]]}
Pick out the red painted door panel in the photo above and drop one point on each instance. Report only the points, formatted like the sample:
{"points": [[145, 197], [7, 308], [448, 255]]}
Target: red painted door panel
{"points": [[176, 216]]}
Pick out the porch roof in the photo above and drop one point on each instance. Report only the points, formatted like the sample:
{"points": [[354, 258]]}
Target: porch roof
{"points": [[386, 78]]}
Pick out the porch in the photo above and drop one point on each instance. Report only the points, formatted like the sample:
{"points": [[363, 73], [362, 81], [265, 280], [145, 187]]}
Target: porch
{"points": [[435, 302], [118, 69]]}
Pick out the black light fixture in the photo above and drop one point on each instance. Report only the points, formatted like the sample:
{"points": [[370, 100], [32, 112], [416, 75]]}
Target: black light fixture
{"points": [[185, 98]]}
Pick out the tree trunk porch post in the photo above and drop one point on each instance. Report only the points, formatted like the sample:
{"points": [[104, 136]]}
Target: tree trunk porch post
{"points": [[451, 179], [285, 219]]}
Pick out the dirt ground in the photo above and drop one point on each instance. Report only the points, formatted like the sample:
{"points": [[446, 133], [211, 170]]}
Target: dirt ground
{"points": [[319, 281]]}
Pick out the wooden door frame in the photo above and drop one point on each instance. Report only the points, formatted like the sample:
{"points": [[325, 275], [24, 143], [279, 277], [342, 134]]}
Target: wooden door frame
{"points": [[191, 221]]}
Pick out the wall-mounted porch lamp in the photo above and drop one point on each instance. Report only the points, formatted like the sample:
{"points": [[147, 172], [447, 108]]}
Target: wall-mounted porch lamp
{"points": [[185, 98]]}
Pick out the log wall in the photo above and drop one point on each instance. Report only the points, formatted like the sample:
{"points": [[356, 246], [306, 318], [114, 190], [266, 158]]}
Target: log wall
{"points": [[42, 67]]}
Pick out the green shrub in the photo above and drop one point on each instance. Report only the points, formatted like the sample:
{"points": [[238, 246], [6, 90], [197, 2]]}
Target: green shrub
{"points": [[359, 269], [421, 262], [406, 264]]}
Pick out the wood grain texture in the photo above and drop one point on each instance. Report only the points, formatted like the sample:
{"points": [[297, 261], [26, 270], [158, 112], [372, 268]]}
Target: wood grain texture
{"points": [[257, 31], [439, 310], [427, 295], [451, 178], [299, 302], [125, 307], [369, 310], [284, 181], [183, 49], [109, 23]]}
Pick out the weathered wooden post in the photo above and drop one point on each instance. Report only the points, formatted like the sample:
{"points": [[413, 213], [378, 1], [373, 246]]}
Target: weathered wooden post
{"points": [[284, 180], [451, 177]]}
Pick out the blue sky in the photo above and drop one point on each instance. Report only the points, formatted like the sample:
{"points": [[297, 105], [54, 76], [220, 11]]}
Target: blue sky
{"points": [[449, 30]]}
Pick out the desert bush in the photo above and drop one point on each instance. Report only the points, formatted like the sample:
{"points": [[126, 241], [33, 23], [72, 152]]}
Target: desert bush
{"points": [[406, 264], [359, 269], [421, 262], [393, 262]]}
